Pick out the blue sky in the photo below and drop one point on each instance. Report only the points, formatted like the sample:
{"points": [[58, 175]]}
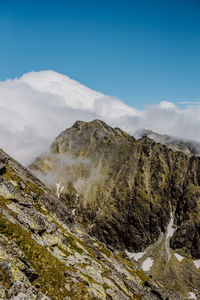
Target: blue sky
{"points": [[140, 51]]}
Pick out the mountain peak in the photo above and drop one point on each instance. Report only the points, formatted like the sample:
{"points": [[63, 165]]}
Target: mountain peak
{"points": [[133, 195], [89, 131], [94, 123], [46, 254]]}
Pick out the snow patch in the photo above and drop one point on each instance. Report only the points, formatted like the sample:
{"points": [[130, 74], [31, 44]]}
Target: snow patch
{"points": [[59, 189], [136, 256], [179, 257], [197, 263], [170, 229], [73, 211], [92, 226], [147, 264], [169, 234], [192, 295]]}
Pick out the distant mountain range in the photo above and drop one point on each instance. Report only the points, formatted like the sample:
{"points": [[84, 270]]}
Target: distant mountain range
{"points": [[175, 143]]}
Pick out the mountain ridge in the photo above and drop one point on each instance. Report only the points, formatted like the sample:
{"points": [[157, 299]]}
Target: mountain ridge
{"points": [[187, 146], [43, 257], [133, 195]]}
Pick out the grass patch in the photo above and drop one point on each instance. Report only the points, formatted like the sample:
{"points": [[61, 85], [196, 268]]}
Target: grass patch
{"points": [[4, 280], [105, 286], [29, 186], [88, 249], [142, 275], [51, 270], [72, 244], [104, 250], [3, 202], [39, 208], [65, 251]]}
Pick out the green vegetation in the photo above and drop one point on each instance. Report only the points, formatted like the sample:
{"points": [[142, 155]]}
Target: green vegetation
{"points": [[72, 244], [29, 186], [39, 208], [51, 270], [104, 250], [88, 249], [142, 275], [4, 280], [105, 286], [3, 202]]}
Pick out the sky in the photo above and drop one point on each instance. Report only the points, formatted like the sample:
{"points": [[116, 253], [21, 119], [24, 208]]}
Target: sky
{"points": [[38, 106], [133, 64], [142, 52]]}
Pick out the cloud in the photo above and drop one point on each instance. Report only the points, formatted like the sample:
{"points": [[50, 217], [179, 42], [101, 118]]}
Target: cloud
{"points": [[189, 102], [35, 108]]}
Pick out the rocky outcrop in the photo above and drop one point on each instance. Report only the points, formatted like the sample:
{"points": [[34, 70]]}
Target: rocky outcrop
{"points": [[45, 256]]}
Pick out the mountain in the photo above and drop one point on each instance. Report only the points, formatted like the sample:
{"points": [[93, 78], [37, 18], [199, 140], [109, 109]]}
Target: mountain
{"points": [[136, 196], [45, 256], [175, 143]]}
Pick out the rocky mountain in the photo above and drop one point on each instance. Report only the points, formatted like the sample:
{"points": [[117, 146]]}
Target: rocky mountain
{"points": [[138, 197], [45, 254], [118, 218], [174, 143]]}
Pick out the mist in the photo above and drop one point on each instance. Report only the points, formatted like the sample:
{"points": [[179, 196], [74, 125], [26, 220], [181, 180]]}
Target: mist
{"points": [[38, 106]]}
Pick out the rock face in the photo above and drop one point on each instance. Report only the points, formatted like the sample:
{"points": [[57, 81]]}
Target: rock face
{"points": [[133, 195], [126, 188], [45, 255]]}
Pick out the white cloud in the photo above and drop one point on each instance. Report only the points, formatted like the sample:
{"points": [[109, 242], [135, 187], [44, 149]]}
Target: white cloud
{"points": [[35, 108], [167, 105], [189, 102]]}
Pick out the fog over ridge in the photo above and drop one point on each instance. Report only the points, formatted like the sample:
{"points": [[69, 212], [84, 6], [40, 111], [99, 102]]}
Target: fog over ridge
{"points": [[36, 107]]}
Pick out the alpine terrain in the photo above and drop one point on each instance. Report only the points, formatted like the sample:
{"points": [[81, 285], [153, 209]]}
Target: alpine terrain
{"points": [[137, 197], [111, 217]]}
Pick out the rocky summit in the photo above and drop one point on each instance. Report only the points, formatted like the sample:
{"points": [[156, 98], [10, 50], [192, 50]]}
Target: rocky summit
{"points": [[111, 217]]}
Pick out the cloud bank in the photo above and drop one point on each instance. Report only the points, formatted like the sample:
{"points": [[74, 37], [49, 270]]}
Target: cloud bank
{"points": [[35, 108]]}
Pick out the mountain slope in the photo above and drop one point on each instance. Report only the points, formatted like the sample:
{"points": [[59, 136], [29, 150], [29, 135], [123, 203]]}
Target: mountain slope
{"points": [[134, 195], [138, 181], [43, 257]]}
